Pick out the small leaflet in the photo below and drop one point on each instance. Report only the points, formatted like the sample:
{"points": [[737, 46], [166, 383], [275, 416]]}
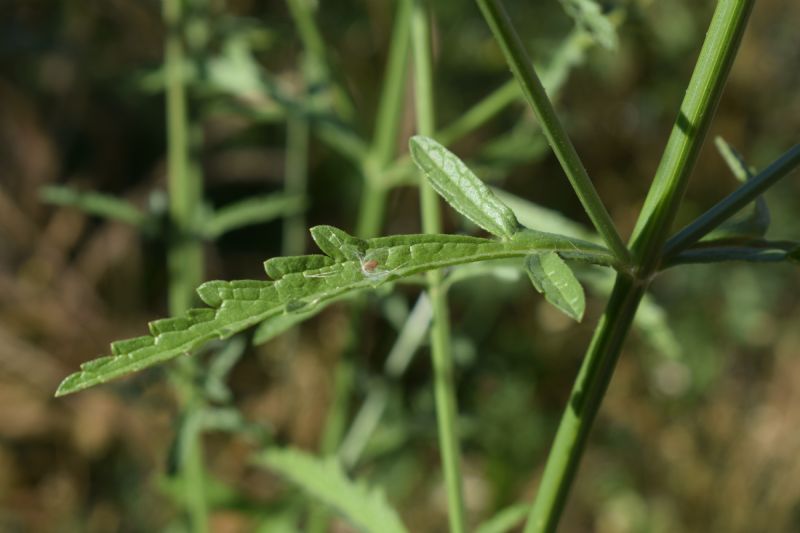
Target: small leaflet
{"points": [[462, 189], [552, 277]]}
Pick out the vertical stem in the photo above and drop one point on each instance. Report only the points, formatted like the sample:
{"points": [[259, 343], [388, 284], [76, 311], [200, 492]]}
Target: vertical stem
{"points": [[370, 219], [185, 252], [587, 394], [295, 184], [654, 222], [696, 111], [444, 389], [387, 127]]}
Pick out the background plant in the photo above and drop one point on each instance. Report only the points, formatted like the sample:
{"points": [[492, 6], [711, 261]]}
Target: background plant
{"points": [[476, 372]]}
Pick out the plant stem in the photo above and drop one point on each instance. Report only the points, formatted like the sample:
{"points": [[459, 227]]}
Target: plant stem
{"points": [[699, 103], [387, 127], [689, 132], [317, 55], [185, 251], [731, 204], [444, 389], [295, 184], [526, 76], [585, 399], [185, 255], [370, 219]]}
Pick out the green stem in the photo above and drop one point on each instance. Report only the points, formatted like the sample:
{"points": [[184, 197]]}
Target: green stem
{"points": [[185, 251], [731, 204], [689, 132], [314, 45], [295, 184], [585, 399], [526, 76], [699, 103], [480, 113], [444, 388]]}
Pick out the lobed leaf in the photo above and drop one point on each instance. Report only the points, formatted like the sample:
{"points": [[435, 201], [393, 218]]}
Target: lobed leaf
{"points": [[351, 265], [552, 277], [461, 188], [325, 480]]}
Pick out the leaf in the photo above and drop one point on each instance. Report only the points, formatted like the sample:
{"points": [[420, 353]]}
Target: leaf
{"points": [[588, 14], [461, 188], [505, 520], [533, 215], [102, 205], [277, 267], [552, 277], [754, 221], [356, 265], [325, 480], [255, 210]]}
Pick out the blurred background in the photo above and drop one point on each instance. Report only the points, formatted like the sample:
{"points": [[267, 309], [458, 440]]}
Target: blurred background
{"points": [[699, 428]]}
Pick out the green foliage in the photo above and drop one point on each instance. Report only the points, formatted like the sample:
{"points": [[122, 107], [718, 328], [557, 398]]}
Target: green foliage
{"points": [[457, 184], [589, 15], [754, 221], [505, 520], [98, 204], [254, 210], [353, 264], [552, 277], [325, 480]]}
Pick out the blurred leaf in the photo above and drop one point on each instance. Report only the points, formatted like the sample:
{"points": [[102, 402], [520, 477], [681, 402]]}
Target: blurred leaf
{"points": [[755, 220], [552, 277], [359, 264], [588, 15], [506, 519], [461, 188], [219, 368], [532, 215], [254, 210], [102, 205], [325, 480]]}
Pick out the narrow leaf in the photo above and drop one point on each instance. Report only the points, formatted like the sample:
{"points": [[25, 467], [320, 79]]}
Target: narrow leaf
{"points": [[251, 211], [354, 265], [325, 480], [589, 16], [102, 205], [752, 222], [552, 277], [462, 189], [505, 520]]}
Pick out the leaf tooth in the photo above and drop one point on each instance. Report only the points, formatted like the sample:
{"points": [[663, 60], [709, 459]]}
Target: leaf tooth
{"points": [[210, 292], [277, 267], [168, 325], [200, 315], [94, 364], [130, 345]]}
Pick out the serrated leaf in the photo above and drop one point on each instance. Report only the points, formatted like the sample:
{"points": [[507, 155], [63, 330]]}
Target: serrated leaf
{"points": [[277, 267], [588, 14], [325, 480], [358, 265], [552, 277], [461, 188]]}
